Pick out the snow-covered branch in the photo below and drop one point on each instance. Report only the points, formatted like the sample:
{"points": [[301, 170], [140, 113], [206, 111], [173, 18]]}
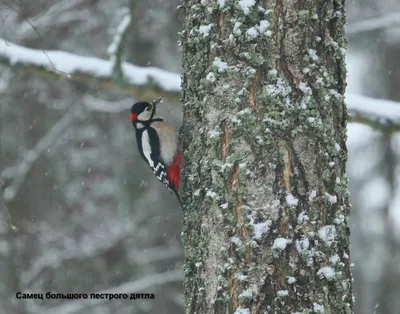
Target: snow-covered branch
{"points": [[373, 24], [18, 172], [380, 114], [149, 82], [136, 286]]}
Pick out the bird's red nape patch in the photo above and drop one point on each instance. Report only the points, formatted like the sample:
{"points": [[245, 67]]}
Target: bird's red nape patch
{"points": [[133, 116], [174, 171]]}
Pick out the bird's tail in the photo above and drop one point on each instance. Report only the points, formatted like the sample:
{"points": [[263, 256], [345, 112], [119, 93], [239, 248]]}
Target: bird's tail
{"points": [[179, 199], [174, 171], [174, 175]]}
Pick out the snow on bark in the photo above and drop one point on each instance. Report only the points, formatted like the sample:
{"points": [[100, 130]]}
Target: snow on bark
{"points": [[264, 140]]}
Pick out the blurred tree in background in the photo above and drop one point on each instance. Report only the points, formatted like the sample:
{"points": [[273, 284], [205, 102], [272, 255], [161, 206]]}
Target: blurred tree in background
{"points": [[373, 167], [89, 214], [88, 219]]}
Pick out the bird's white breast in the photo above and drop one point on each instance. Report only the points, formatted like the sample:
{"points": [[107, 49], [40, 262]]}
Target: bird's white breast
{"points": [[168, 140], [146, 148]]}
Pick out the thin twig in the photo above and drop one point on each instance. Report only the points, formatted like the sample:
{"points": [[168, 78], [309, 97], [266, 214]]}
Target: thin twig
{"points": [[38, 35], [45, 11]]}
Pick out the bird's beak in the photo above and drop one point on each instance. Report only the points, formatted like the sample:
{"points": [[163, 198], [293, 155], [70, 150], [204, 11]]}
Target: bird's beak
{"points": [[158, 101]]}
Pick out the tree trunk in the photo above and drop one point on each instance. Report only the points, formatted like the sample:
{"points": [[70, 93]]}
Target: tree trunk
{"points": [[264, 141]]}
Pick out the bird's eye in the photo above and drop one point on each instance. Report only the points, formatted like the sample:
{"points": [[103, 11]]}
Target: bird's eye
{"points": [[148, 108]]}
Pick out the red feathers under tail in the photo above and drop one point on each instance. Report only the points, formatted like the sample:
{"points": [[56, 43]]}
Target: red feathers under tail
{"points": [[174, 171]]}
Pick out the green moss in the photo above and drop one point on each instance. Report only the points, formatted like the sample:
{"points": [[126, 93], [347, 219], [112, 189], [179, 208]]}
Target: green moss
{"points": [[297, 104]]}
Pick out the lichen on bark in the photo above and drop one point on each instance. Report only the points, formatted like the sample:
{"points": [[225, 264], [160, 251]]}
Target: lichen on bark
{"points": [[264, 183]]}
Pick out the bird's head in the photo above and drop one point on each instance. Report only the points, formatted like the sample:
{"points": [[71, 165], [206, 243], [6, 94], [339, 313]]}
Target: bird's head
{"points": [[144, 111]]}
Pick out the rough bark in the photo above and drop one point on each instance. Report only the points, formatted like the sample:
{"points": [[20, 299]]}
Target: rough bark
{"points": [[264, 141]]}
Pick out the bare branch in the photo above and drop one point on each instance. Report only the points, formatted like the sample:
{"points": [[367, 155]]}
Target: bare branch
{"points": [[139, 285], [374, 24], [383, 125], [4, 209], [18, 172], [116, 48], [146, 82], [380, 114]]}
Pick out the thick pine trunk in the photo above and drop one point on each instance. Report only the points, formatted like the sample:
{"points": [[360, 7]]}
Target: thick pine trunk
{"points": [[264, 138]]}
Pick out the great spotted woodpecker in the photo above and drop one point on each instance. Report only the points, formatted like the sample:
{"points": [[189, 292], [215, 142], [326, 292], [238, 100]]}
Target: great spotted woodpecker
{"points": [[158, 144]]}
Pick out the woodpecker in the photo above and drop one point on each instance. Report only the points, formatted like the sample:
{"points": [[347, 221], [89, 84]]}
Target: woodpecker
{"points": [[158, 144]]}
